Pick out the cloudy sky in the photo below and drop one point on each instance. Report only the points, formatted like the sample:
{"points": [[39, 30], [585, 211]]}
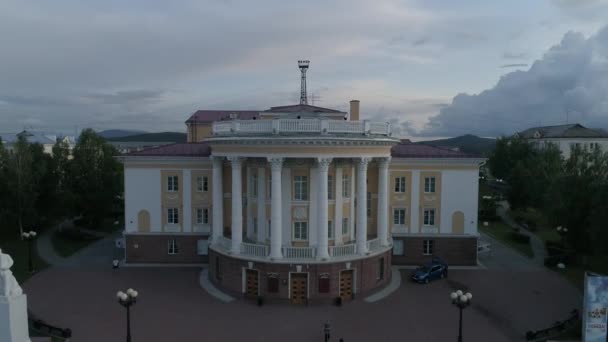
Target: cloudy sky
{"points": [[434, 68]]}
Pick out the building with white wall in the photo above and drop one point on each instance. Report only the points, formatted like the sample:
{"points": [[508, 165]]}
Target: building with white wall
{"points": [[566, 137], [299, 202]]}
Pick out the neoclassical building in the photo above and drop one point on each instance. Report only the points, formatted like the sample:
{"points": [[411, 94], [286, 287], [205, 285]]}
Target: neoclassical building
{"points": [[299, 202]]}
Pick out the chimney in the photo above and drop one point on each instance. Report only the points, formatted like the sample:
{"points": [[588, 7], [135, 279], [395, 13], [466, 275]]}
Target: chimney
{"points": [[354, 110]]}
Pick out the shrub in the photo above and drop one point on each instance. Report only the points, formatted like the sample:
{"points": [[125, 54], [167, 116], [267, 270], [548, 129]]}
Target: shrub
{"points": [[519, 237]]}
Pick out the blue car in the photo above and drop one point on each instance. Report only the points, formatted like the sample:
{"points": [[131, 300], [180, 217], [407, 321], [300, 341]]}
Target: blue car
{"points": [[437, 269]]}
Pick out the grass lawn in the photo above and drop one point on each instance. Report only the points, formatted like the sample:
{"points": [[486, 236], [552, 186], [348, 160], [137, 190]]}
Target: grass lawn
{"points": [[11, 244], [502, 233], [67, 244]]}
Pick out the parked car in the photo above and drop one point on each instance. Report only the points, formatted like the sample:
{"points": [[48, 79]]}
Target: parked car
{"points": [[436, 269]]}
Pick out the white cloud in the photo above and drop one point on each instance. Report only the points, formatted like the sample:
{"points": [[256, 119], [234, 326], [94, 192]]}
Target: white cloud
{"points": [[569, 82]]}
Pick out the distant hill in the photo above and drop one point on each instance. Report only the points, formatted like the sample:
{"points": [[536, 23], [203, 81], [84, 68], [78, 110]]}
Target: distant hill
{"points": [[118, 133], [175, 137], [466, 143]]}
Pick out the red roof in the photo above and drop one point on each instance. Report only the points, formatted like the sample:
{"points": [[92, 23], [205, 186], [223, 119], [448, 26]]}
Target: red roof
{"points": [[406, 149], [177, 150], [297, 108], [219, 115]]}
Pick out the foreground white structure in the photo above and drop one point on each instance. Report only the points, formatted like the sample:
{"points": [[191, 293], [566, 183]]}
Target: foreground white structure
{"points": [[13, 305]]}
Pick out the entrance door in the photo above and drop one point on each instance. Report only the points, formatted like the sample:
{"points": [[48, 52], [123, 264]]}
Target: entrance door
{"points": [[299, 288], [251, 283], [346, 284]]}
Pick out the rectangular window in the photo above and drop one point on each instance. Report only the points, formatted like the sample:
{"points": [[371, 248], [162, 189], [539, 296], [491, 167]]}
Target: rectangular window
{"points": [[369, 204], [300, 230], [172, 247], [345, 226], [330, 230], [254, 184], [399, 216], [300, 192], [345, 186], [330, 187], [173, 216], [202, 215], [399, 184], [269, 192], [218, 269], [172, 183], [429, 184], [202, 183], [255, 227], [429, 217], [380, 274], [427, 247], [269, 228]]}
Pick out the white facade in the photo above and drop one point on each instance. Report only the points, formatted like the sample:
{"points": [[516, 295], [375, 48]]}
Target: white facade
{"points": [[566, 145]]}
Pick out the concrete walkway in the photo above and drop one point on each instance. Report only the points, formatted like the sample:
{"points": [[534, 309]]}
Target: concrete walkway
{"points": [[389, 289], [212, 290], [538, 248]]}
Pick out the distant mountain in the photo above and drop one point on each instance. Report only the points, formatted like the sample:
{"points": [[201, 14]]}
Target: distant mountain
{"points": [[175, 137], [466, 143], [118, 133]]}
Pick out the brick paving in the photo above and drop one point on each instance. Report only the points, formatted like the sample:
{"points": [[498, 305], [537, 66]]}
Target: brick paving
{"points": [[173, 307]]}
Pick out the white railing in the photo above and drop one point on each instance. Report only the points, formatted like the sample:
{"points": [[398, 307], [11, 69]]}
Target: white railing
{"points": [[254, 249], [344, 250], [299, 252], [373, 245], [282, 126], [225, 243]]}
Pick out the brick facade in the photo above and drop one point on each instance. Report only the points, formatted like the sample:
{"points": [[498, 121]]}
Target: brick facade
{"points": [[453, 250], [366, 272], [155, 249]]}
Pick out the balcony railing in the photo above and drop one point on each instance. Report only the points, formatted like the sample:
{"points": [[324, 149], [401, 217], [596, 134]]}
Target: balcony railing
{"points": [[373, 245], [291, 126], [299, 252], [254, 249], [343, 250]]}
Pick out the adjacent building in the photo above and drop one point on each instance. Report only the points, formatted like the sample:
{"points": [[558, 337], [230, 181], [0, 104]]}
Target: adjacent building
{"points": [[566, 137], [299, 202]]}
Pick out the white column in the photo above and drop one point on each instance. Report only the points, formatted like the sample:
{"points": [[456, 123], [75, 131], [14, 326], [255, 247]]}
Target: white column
{"points": [[261, 205], [218, 199], [276, 165], [339, 207], [383, 200], [237, 204], [322, 238], [13, 305], [362, 205]]}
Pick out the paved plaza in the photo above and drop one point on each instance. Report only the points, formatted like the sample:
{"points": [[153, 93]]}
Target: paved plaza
{"points": [[173, 307]]}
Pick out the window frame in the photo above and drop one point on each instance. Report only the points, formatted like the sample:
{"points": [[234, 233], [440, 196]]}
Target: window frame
{"points": [[400, 184], [345, 186], [345, 228], [172, 183], [172, 247], [381, 267], [330, 230], [430, 184], [173, 215], [428, 246], [330, 187], [298, 228], [254, 184], [426, 220], [368, 204], [401, 218], [300, 188]]}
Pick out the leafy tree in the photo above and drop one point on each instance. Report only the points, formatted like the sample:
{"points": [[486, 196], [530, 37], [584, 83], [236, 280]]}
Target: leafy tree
{"points": [[506, 154], [60, 168], [96, 177]]}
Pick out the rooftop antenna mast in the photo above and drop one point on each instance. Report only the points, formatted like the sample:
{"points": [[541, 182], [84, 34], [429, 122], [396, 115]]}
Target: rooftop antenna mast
{"points": [[303, 65]]}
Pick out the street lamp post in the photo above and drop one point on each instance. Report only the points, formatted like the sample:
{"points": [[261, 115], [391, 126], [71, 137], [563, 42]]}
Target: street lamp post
{"points": [[126, 299], [461, 300], [562, 231], [29, 237]]}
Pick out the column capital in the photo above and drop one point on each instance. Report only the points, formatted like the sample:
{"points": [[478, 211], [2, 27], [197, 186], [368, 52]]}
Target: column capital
{"points": [[324, 163], [363, 162], [276, 163], [383, 162], [236, 161]]}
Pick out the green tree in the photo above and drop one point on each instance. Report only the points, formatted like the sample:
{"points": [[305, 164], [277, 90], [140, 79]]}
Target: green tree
{"points": [[506, 154], [96, 177], [60, 169]]}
